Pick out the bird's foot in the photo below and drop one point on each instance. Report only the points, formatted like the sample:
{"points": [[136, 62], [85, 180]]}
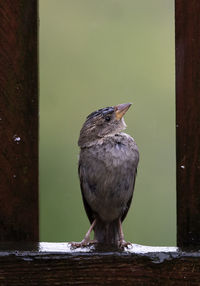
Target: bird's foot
{"points": [[86, 241], [83, 243], [123, 243]]}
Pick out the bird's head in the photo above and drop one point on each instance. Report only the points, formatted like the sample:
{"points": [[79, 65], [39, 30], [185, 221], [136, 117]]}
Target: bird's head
{"points": [[103, 122]]}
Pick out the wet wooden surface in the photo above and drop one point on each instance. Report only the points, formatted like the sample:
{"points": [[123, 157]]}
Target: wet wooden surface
{"points": [[188, 121], [18, 120], [56, 264]]}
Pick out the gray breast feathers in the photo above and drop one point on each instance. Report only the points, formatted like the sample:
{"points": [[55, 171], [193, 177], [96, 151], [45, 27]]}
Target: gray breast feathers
{"points": [[107, 172]]}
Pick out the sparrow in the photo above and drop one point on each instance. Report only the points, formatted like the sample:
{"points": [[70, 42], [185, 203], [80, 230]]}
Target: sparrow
{"points": [[107, 171]]}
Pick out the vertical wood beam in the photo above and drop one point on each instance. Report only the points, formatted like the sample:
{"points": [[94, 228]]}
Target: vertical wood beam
{"points": [[18, 120], [187, 19]]}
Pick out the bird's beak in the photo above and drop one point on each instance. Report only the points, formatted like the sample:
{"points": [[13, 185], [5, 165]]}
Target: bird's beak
{"points": [[121, 109]]}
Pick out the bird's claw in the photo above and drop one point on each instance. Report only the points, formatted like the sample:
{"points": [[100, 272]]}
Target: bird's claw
{"points": [[83, 243], [123, 243]]}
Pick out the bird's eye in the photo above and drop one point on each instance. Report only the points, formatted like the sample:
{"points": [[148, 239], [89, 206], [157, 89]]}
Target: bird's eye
{"points": [[107, 118]]}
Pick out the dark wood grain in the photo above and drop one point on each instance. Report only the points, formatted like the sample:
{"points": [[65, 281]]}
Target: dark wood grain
{"points": [[56, 264], [188, 121], [18, 120]]}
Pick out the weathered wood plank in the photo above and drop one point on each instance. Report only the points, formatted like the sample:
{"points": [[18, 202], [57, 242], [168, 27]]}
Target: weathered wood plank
{"points": [[57, 264], [18, 120], [188, 121]]}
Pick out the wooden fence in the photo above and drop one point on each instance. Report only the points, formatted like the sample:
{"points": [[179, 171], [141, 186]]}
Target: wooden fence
{"points": [[31, 263]]}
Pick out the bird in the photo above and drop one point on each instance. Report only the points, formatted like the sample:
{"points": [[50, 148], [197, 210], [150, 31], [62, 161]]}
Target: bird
{"points": [[107, 169]]}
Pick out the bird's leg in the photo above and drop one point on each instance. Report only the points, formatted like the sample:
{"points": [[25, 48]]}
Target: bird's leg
{"points": [[122, 242], [86, 239]]}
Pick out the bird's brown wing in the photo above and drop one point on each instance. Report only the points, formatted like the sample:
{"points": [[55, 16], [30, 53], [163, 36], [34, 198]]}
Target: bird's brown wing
{"points": [[130, 200], [90, 213]]}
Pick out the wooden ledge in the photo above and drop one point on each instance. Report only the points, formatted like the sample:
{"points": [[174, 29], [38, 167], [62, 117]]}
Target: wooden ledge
{"points": [[57, 264]]}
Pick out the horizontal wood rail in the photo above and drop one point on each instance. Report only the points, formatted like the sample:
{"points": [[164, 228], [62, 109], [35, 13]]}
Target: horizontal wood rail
{"points": [[57, 264]]}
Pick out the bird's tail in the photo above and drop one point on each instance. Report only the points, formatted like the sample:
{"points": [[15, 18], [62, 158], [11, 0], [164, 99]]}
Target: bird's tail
{"points": [[107, 233]]}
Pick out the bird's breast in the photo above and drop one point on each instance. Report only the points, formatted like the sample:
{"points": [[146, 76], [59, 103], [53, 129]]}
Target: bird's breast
{"points": [[117, 150], [107, 172]]}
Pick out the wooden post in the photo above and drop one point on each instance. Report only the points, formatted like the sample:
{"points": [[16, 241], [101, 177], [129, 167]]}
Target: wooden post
{"points": [[188, 121], [18, 121]]}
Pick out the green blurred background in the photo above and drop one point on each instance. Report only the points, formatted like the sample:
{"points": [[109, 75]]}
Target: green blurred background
{"points": [[98, 53]]}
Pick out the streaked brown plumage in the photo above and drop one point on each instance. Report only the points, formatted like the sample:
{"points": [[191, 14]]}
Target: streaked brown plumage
{"points": [[107, 170]]}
